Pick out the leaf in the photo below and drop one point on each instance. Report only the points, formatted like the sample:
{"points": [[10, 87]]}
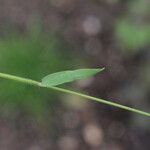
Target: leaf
{"points": [[68, 76]]}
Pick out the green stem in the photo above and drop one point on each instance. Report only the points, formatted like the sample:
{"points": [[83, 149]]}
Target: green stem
{"points": [[19, 79], [36, 83], [102, 101]]}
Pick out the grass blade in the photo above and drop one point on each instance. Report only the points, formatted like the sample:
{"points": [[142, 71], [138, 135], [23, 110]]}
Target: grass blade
{"points": [[68, 76]]}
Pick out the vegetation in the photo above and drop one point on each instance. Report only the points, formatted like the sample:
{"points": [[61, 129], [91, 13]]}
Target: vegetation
{"points": [[58, 78]]}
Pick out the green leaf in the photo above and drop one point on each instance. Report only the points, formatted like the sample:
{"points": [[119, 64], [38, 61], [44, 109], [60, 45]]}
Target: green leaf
{"points": [[68, 76]]}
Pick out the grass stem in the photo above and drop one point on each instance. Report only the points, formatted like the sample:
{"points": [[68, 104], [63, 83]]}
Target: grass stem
{"points": [[36, 83], [19, 79], [101, 101]]}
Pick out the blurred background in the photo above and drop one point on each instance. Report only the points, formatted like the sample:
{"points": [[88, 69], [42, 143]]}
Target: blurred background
{"points": [[39, 37]]}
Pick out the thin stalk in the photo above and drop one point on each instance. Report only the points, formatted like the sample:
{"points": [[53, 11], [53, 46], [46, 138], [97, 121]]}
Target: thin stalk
{"points": [[101, 101], [19, 79], [36, 83]]}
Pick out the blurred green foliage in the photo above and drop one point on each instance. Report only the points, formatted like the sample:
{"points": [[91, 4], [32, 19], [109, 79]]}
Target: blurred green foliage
{"points": [[131, 36], [33, 55], [133, 30]]}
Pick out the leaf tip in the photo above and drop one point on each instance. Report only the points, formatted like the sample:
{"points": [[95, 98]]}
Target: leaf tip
{"points": [[100, 69]]}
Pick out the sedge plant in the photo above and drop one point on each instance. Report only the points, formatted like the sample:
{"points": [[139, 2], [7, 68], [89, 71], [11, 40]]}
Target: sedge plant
{"points": [[53, 80]]}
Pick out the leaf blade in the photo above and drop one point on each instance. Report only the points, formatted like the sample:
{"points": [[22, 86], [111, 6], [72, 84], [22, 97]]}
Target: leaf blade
{"points": [[68, 76]]}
